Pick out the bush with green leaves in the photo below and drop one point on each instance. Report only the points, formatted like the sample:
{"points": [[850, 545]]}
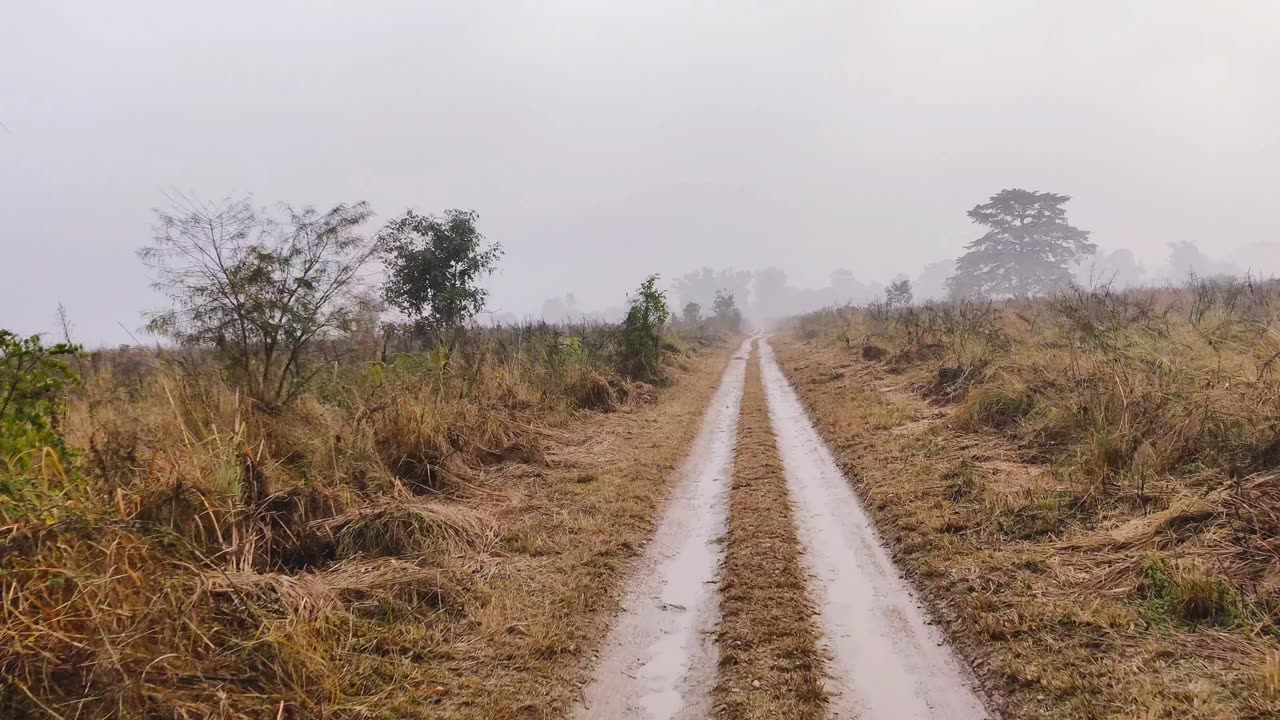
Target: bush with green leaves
{"points": [[33, 377], [435, 265], [692, 314], [898, 294], [727, 314], [642, 330]]}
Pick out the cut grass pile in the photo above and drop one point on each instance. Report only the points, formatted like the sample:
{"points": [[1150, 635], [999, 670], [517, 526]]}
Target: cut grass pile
{"points": [[1086, 487], [770, 664], [404, 541]]}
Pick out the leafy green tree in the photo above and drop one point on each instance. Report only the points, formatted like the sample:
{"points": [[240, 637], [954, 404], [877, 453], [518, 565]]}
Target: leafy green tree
{"points": [[32, 380], [257, 288], [435, 265], [726, 311], [692, 313], [898, 294], [642, 330], [1027, 250]]}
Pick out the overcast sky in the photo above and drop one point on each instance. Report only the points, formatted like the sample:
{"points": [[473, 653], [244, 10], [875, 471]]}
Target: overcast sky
{"points": [[601, 141]]}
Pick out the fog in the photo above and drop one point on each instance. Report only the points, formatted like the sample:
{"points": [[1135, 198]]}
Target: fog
{"points": [[601, 142]]}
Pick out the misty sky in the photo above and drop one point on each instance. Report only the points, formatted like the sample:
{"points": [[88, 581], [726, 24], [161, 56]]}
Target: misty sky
{"points": [[601, 141]]}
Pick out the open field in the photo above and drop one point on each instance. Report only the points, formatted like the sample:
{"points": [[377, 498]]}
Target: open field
{"points": [[401, 541], [1081, 490], [1083, 487]]}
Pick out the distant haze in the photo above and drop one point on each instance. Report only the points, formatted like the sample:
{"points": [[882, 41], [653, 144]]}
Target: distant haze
{"points": [[602, 141]]}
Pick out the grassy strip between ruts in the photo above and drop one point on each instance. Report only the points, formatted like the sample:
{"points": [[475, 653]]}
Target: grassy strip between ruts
{"points": [[770, 664]]}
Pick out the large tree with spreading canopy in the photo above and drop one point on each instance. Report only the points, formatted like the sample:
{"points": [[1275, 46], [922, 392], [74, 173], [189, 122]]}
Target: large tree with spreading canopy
{"points": [[1027, 250]]}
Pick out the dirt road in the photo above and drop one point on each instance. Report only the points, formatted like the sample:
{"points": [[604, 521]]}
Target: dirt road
{"points": [[887, 662], [883, 660], [659, 660]]}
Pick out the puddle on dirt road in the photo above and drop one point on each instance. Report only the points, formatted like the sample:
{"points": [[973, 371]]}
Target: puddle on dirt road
{"points": [[886, 662], [660, 658]]}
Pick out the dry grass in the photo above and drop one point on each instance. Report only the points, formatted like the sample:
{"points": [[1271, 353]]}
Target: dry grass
{"points": [[1084, 488], [770, 664], [405, 541]]}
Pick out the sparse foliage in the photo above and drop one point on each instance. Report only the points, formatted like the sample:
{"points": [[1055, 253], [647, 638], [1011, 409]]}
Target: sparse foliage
{"points": [[256, 288], [435, 265], [692, 313], [1027, 250], [642, 330]]}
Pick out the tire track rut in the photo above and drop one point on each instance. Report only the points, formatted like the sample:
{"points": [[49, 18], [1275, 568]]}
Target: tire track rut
{"points": [[659, 660], [887, 661], [817, 622]]}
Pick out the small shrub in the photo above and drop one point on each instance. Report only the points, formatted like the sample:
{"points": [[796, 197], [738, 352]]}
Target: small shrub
{"points": [[259, 291], [32, 380], [727, 314], [642, 330], [1184, 591]]}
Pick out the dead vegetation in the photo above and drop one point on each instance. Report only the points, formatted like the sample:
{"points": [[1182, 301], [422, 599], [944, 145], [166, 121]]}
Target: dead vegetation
{"points": [[406, 539], [1087, 487], [770, 664]]}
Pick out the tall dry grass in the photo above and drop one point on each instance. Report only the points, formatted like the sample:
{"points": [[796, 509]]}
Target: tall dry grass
{"points": [[1158, 411], [1084, 487], [194, 556]]}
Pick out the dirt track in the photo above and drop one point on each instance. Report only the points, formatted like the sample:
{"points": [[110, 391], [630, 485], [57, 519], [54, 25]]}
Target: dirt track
{"points": [[887, 662], [659, 660], [884, 660]]}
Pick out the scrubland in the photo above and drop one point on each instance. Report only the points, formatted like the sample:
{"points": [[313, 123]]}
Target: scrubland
{"points": [[408, 537], [1085, 487]]}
